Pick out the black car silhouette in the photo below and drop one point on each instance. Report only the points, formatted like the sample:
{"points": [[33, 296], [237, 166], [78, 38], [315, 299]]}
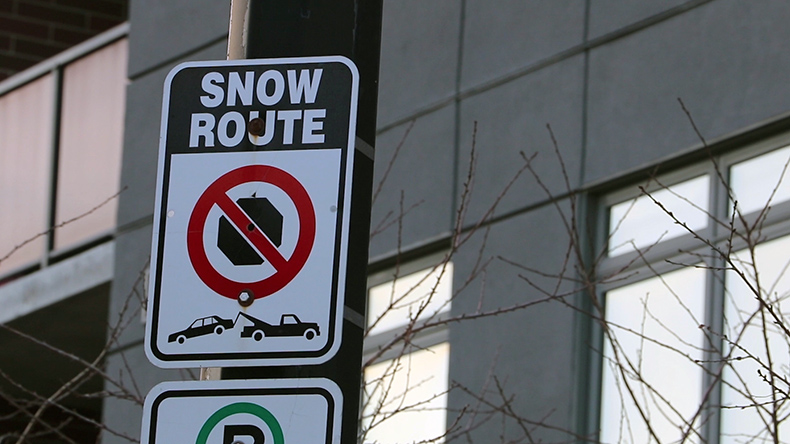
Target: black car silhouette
{"points": [[201, 327]]}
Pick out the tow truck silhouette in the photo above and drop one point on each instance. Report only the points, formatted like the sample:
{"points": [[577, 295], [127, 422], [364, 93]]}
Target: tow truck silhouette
{"points": [[290, 325]]}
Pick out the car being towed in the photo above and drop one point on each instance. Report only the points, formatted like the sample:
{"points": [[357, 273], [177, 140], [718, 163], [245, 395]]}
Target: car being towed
{"points": [[201, 327]]}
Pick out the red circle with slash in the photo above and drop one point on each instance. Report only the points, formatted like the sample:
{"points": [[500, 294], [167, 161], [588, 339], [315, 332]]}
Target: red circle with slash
{"points": [[217, 194]]}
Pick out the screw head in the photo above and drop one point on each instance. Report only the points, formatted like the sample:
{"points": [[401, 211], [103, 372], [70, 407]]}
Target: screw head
{"points": [[246, 298]]}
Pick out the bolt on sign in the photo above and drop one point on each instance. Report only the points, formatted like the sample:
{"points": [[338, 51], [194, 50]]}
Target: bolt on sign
{"points": [[272, 411], [252, 212]]}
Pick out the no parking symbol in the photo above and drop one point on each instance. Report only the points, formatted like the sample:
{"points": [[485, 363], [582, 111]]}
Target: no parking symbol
{"points": [[253, 231]]}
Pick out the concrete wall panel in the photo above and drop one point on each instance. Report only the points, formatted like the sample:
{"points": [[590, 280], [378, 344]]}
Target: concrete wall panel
{"points": [[166, 30], [129, 287], [512, 118], [423, 171], [504, 36], [725, 70], [419, 56], [610, 15], [529, 352]]}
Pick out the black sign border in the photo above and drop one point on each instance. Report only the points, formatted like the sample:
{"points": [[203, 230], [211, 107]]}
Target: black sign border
{"points": [[241, 359], [241, 393]]}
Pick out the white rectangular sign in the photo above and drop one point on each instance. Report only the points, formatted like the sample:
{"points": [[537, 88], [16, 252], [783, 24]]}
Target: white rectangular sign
{"points": [[271, 411], [252, 213]]}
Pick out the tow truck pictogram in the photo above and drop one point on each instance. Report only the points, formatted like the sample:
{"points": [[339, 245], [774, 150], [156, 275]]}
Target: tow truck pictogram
{"points": [[290, 325]]}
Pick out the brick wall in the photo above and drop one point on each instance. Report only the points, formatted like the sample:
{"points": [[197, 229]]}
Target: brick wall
{"points": [[32, 30]]}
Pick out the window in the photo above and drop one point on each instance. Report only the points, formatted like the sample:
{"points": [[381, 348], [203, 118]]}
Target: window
{"points": [[640, 222], [754, 343], [693, 284], [656, 341], [406, 379], [760, 180]]}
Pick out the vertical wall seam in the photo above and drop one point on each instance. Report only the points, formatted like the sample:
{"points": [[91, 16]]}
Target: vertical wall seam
{"points": [[585, 95], [583, 399], [454, 204]]}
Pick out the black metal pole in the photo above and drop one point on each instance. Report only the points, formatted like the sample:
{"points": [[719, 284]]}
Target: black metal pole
{"points": [[350, 28]]}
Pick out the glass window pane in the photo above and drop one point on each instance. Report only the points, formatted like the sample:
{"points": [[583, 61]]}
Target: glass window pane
{"points": [[25, 154], [406, 398], [751, 333], [755, 180], [640, 222], [649, 364], [91, 139], [395, 303]]}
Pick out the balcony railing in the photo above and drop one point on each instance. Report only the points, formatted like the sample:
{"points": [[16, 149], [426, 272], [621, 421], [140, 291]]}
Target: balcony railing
{"points": [[61, 138]]}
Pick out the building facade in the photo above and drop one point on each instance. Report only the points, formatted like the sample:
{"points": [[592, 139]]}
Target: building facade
{"points": [[578, 227]]}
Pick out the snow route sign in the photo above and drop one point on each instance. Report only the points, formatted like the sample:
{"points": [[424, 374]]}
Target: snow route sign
{"points": [[250, 237]]}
